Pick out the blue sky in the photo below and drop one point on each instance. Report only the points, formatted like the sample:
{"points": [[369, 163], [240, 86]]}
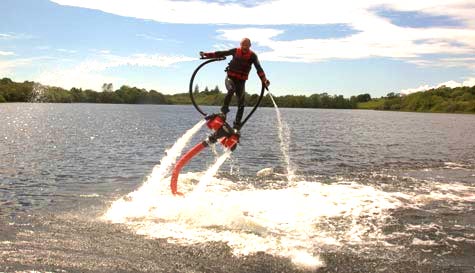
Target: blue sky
{"points": [[305, 47]]}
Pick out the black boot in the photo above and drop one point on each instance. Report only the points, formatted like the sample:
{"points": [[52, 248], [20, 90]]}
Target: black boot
{"points": [[237, 125], [224, 111]]}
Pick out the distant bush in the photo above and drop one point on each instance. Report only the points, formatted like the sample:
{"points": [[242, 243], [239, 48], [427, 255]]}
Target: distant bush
{"points": [[442, 100]]}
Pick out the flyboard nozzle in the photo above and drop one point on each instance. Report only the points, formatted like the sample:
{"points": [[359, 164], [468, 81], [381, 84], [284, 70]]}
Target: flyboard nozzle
{"points": [[231, 141], [215, 121], [224, 133]]}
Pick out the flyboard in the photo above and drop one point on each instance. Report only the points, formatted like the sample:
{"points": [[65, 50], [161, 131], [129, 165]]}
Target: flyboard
{"points": [[222, 131]]}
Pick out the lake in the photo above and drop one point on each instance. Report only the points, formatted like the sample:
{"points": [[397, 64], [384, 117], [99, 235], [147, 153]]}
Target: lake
{"points": [[373, 191]]}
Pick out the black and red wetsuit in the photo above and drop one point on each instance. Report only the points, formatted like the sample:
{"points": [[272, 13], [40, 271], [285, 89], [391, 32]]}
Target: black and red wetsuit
{"points": [[237, 73]]}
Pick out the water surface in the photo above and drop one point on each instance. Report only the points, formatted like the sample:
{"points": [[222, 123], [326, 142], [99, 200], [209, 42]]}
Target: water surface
{"points": [[374, 192]]}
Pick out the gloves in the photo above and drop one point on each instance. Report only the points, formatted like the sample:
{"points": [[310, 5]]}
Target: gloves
{"points": [[265, 82], [205, 55]]}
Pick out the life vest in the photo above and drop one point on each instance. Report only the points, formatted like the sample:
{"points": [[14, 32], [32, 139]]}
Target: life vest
{"points": [[240, 65]]}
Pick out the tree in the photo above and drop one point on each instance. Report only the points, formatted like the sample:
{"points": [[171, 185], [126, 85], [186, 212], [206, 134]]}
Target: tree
{"points": [[77, 94], [392, 95], [363, 97], [107, 87], [157, 97], [315, 101], [325, 100], [197, 89], [6, 81], [90, 95], [109, 97], [56, 94], [16, 92], [354, 102], [215, 90]]}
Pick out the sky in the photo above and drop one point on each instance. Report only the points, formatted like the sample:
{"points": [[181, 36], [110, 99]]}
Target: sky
{"points": [[305, 46]]}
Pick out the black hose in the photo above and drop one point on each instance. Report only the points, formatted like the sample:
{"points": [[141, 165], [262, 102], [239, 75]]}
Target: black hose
{"points": [[193, 78], [255, 106]]}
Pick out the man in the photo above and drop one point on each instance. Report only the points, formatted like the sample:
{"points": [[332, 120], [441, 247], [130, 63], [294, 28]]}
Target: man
{"points": [[237, 74]]}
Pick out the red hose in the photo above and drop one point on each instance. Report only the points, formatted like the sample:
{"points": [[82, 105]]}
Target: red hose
{"points": [[182, 162]]}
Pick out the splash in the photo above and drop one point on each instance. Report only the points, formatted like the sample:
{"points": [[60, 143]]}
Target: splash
{"points": [[211, 172], [139, 202], [296, 222], [291, 222], [284, 136], [166, 163], [37, 94]]}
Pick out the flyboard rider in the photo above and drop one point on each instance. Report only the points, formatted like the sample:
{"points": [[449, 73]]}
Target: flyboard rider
{"points": [[237, 73]]}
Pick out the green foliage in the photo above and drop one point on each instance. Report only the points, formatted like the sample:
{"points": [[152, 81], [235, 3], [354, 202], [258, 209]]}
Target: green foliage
{"points": [[16, 92], [441, 100], [132, 95], [90, 96], [56, 94], [214, 97], [372, 104], [363, 98], [107, 87], [25, 92]]}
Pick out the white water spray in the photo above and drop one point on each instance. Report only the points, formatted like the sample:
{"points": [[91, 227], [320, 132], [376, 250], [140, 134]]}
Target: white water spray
{"points": [[174, 152], [147, 193], [204, 181], [284, 136]]}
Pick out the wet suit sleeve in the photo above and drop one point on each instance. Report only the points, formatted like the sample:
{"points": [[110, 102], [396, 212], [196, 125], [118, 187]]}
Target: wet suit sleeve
{"points": [[219, 54], [257, 64]]}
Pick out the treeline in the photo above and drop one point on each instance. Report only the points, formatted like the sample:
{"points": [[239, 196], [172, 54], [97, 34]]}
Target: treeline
{"points": [[442, 99], [439, 100], [323, 100], [27, 91]]}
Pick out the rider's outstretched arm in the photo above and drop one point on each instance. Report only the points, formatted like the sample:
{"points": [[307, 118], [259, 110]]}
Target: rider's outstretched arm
{"points": [[217, 54]]}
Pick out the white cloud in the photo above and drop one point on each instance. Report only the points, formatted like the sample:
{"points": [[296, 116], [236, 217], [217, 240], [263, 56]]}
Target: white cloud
{"points": [[42, 47], [14, 36], [70, 51], [376, 36], [264, 34], [153, 38], [8, 67], [6, 53], [414, 90], [277, 12], [469, 82], [224, 46], [5, 36], [146, 60], [386, 40], [100, 51], [87, 74], [468, 62], [149, 37], [452, 84], [68, 78]]}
